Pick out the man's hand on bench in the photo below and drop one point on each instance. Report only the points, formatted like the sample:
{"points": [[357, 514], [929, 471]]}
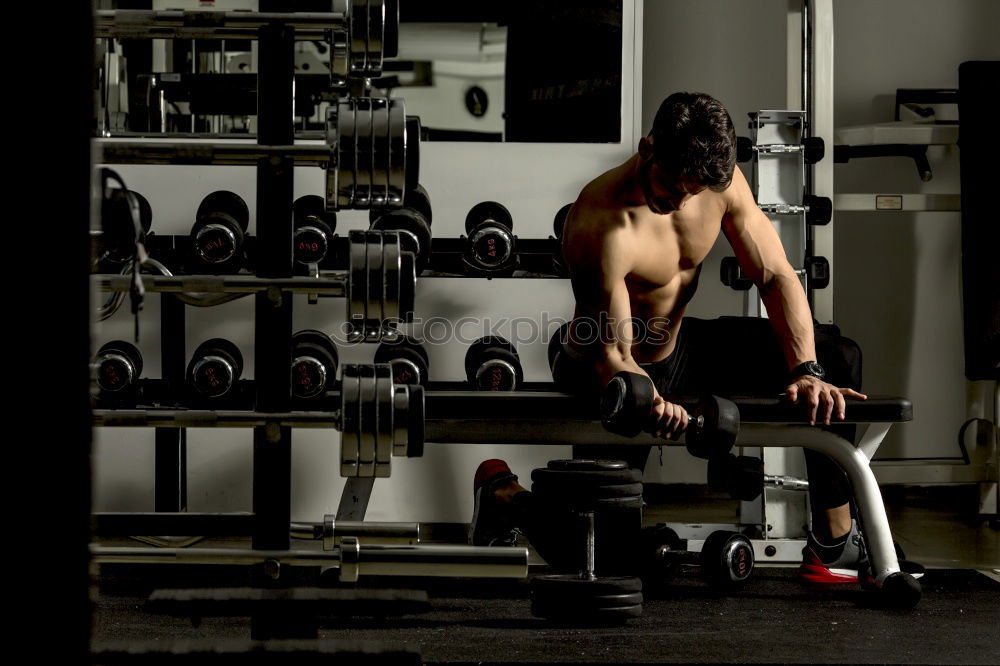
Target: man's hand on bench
{"points": [[821, 398]]}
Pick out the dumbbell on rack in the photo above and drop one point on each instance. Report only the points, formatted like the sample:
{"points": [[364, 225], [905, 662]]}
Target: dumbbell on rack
{"points": [[370, 156], [314, 363], [744, 479], [726, 558], [492, 364], [379, 288], [627, 401], [118, 365], [812, 149], [412, 221], [817, 270], [818, 210], [558, 262], [360, 33], [590, 489], [490, 245], [378, 419], [408, 359], [214, 371], [313, 229], [219, 233]]}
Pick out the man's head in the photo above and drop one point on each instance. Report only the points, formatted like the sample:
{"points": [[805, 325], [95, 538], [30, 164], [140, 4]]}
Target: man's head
{"points": [[692, 146]]}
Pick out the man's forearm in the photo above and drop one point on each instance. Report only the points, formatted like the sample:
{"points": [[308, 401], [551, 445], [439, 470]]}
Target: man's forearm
{"points": [[791, 318]]}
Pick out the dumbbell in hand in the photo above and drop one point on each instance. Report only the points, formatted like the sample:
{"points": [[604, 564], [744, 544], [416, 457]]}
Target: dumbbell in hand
{"points": [[627, 404]]}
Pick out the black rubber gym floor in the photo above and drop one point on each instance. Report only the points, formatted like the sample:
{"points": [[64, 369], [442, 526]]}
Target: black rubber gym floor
{"points": [[774, 619]]}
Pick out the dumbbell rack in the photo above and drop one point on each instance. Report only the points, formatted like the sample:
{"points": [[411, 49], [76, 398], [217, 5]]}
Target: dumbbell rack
{"points": [[358, 49]]}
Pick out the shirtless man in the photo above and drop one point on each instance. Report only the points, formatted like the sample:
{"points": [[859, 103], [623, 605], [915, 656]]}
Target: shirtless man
{"points": [[634, 242]]}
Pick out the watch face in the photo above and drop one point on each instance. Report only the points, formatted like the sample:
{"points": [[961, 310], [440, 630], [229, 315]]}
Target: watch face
{"points": [[816, 369]]}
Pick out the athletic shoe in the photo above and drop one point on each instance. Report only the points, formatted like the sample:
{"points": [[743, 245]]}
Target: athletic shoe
{"points": [[835, 563], [491, 524], [840, 562]]}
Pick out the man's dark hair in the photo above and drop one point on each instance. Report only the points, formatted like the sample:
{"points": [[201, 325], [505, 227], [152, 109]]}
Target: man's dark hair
{"points": [[693, 136]]}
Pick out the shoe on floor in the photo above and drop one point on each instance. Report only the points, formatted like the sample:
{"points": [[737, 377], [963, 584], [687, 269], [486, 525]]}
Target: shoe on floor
{"points": [[840, 562], [491, 525]]}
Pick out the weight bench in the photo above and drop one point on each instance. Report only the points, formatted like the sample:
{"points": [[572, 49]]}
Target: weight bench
{"points": [[543, 417]]}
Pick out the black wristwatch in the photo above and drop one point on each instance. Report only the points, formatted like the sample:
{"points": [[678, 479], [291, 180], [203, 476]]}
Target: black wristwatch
{"points": [[811, 368]]}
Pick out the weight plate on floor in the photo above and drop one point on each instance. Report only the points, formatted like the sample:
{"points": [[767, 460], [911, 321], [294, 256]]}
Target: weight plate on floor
{"points": [[558, 490], [350, 415], [376, 286], [357, 284], [572, 598], [587, 464], [587, 477], [384, 393], [368, 425]]}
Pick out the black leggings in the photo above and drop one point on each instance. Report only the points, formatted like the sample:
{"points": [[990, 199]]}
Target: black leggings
{"points": [[734, 356]]}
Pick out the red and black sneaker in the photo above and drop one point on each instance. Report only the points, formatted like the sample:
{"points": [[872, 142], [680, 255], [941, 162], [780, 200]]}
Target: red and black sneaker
{"points": [[491, 524], [835, 563], [842, 561]]}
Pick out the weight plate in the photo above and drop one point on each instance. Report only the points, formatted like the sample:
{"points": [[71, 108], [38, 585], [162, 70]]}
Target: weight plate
{"points": [[400, 433], [380, 152], [348, 152], [391, 262], [376, 286], [407, 286], [340, 53], [587, 464], [384, 393], [563, 490], [587, 477], [397, 153], [573, 586], [415, 422], [350, 414], [589, 616], [365, 152], [359, 36], [412, 152], [368, 425], [589, 602], [358, 284], [333, 166], [375, 46]]}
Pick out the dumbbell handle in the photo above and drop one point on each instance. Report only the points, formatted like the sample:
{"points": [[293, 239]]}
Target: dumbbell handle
{"points": [[785, 482]]}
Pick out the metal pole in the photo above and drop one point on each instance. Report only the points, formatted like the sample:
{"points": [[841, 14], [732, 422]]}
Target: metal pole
{"points": [[273, 321]]}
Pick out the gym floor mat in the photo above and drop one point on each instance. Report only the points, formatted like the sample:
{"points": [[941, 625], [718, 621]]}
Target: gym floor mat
{"points": [[775, 618]]}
